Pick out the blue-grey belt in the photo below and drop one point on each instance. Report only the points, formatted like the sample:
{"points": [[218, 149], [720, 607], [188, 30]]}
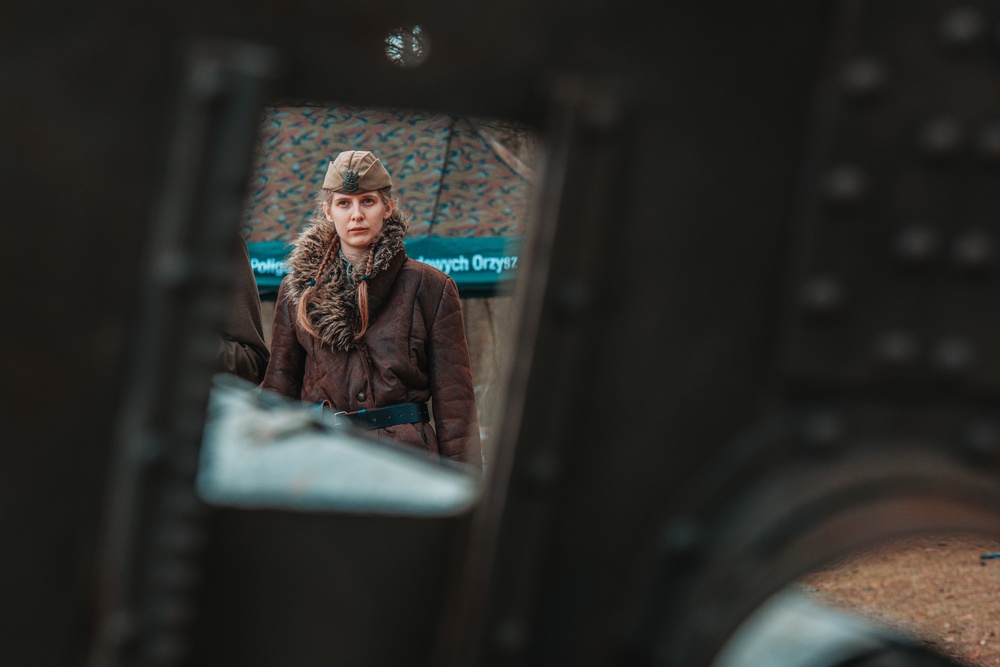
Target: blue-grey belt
{"points": [[390, 415]]}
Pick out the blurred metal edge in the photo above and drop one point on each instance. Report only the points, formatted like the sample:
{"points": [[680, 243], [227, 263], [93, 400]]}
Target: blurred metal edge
{"points": [[313, 466]]}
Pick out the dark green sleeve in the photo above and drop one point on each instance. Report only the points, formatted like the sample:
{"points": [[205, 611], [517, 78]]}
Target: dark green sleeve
{"points": [[244, 352]]}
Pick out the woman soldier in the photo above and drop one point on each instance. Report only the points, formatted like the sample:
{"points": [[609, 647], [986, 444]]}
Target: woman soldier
{"points": [[368, 333]]}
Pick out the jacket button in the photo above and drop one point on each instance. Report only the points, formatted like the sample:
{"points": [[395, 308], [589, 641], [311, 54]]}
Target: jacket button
{"points": [[361, 395]]}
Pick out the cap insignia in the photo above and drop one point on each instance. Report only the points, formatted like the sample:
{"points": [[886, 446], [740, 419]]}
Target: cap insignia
{"points": [[350, 180]]}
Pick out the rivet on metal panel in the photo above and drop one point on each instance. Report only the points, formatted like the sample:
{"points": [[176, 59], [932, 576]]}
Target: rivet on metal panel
{"points": [[177, 574], [845, 185], [181, 537], [987, 142], [681, 538], [973, 252], [981, 441], [954, 356], [166, 648], [510, 635], [152, 450], [601, 114], [822, 296], [207, 77], [122, 628], [168, 611], [940, 138], [917, 245], [542, 469], [897, 349], [863, 77], [963, 27], [822, 430], [173, 268]]}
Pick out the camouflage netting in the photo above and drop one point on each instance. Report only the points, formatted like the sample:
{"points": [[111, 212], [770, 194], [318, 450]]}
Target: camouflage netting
{"points": [[455, 176]]}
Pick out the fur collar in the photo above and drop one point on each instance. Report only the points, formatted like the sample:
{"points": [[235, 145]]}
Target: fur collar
{"points": [[332, 305]]}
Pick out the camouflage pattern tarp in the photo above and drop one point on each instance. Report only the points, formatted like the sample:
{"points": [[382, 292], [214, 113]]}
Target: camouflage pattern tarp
{"points": [[454, 177]]}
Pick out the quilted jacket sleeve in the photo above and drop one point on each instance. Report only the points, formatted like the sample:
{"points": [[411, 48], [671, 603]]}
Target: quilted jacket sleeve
{"points": [[287, 363], [452, 394]]}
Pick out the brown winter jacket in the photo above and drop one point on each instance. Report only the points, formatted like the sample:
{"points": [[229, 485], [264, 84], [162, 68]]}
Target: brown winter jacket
{"points": [[415, 343]]}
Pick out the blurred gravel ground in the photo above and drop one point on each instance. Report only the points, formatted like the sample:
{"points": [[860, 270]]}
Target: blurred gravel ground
{"points": [[935, 588]]}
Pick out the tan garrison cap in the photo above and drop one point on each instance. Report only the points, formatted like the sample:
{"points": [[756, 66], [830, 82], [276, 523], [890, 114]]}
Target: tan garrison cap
{"points": [[356, 171]]}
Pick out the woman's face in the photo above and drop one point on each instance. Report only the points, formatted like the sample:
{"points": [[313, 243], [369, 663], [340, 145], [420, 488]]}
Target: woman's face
{"points": [[358, 218]]}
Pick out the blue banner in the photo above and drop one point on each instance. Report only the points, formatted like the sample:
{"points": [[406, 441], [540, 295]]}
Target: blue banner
{"points": [[480, 266]]}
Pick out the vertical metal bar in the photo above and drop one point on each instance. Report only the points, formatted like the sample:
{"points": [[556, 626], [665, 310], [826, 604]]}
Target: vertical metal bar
{"points": [[154, 522], [561, 284]]}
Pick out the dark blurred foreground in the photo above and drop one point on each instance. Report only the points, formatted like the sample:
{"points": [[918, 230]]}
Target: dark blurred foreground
{"points": [[756, 326]]}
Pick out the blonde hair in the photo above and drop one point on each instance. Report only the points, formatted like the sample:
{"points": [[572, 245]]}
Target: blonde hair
{"points": [[323, 198]]}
